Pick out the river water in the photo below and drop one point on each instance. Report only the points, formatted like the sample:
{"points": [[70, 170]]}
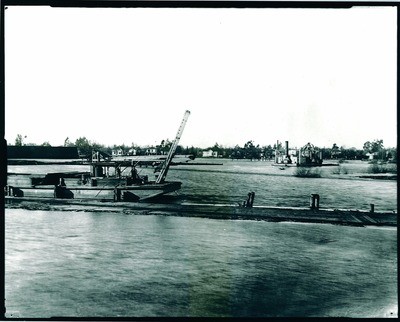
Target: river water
{"points": [[99, 264]]}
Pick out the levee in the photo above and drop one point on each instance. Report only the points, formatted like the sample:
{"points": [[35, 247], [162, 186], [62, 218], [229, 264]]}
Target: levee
{"points": [[214, 211]]}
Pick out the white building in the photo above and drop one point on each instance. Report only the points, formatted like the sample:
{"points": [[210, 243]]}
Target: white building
{"points": [[372, 156], [117, 152], [132, 151], [151, 151], [210, 154]]}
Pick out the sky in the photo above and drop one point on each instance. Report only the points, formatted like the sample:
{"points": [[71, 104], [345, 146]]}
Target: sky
{"points": [[127, 75]]}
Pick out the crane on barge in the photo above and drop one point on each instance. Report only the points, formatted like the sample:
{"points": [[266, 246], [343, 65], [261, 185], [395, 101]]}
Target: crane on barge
{"points": [[98, 183], [166, 164]]}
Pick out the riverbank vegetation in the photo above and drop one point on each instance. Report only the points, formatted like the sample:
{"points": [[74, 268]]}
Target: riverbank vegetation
{"points": [[376, 167], [340, 170], [372, 150], [304, 172]]}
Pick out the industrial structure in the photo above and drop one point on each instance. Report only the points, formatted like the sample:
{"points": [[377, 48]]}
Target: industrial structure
{"points": [[308, 155], [100, 183]]}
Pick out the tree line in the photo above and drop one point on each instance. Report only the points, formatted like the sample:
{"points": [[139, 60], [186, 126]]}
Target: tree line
{"points": [[249, 150]]}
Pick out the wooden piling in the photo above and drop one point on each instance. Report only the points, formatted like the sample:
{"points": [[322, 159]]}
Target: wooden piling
{"points": [[314, 201], [252, 195], [117, 194], [372, 210]]}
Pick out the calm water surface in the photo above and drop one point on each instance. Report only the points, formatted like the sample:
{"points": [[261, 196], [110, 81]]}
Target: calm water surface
{"points": [[81, 264]]}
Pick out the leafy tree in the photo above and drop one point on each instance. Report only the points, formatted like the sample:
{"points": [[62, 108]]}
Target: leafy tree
{"points": [[19, 140], [219, 149], [251, 151], [348, 154], [392, 154], [216, 147], [46, 143], [375, 146], [179, 150], [352, 154], [237, 152], [335, 151], [367, 147], [83, 145], [164, 146], [82, 142], [326, 153], [227, 152], [98, 146], [194, 151], [268, 151]]}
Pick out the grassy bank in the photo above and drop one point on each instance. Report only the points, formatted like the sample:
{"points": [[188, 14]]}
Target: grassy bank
{"points": [[376, 168]]}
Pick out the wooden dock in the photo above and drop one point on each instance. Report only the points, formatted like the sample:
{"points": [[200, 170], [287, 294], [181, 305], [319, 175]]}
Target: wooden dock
{"points": [[213, 211]]}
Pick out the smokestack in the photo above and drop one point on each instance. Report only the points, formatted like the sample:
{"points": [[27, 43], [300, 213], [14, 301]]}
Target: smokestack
{"points": [[287, 148]]}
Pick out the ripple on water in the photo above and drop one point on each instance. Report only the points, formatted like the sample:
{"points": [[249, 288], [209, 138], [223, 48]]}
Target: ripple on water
{"points": [[103, 264]]}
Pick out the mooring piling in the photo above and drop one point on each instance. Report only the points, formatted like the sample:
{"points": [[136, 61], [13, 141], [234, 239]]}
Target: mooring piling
{"points": [[117, 194], [372, 208], [253, 194], [314, 201], [250, 200]]}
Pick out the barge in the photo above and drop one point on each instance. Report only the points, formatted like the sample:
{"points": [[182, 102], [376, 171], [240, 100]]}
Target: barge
{"points": [[71, 185], [99, 183]]}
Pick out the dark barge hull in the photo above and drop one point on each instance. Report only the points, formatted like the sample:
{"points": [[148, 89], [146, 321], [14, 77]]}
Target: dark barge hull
{"points": [[102, 189], [274, 214]]}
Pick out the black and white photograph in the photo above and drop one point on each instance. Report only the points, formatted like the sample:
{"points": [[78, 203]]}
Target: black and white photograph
{"points": [[200, 159]]}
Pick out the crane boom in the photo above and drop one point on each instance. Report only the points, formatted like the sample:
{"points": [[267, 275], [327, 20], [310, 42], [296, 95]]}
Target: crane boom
{"points": [[165, 167]]}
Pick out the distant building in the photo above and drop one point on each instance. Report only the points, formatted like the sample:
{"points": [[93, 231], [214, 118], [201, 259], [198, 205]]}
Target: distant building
{"points": [[372, 156], [308, 155], [210, 154], [288, 157], [151, 151], [132, 151], [100, 156], [117, 152]]}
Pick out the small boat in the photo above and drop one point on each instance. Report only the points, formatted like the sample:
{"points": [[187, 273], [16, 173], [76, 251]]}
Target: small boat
{"points": [[100, 183]]}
